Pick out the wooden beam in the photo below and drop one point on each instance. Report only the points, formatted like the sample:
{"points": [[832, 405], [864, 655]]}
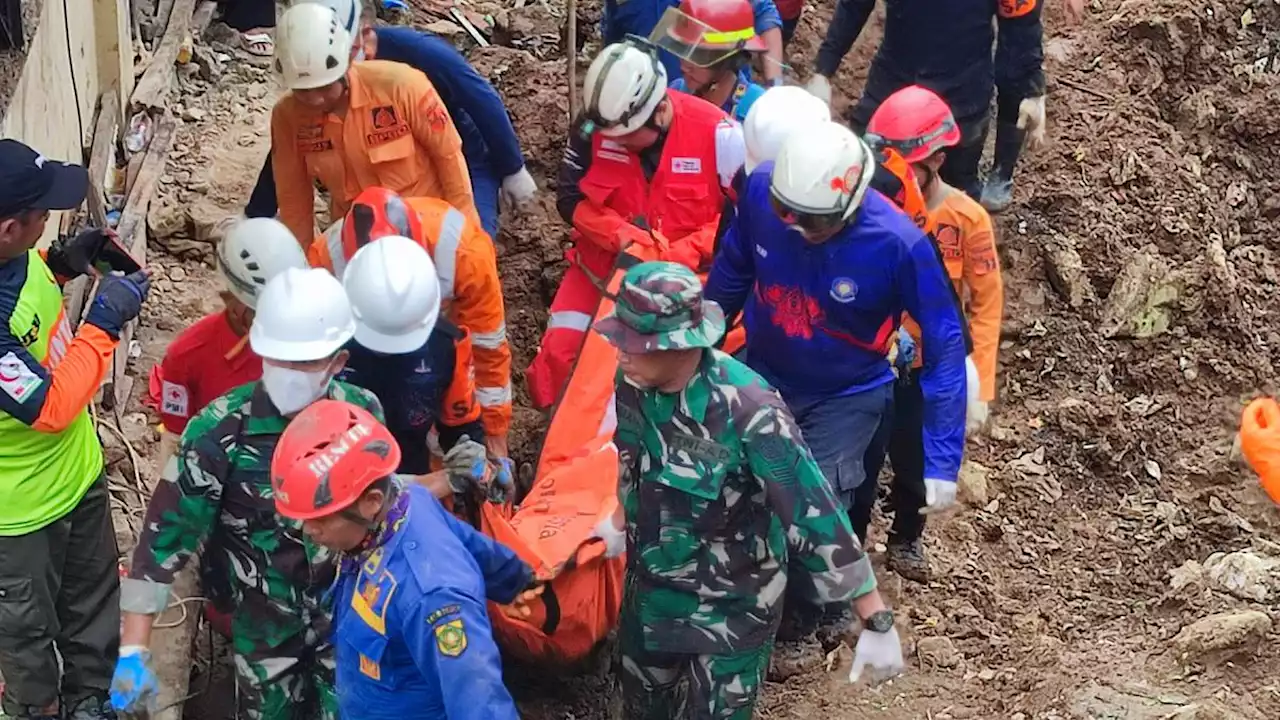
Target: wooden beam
{"points": [[101, 162], [164, 10], [133, 235], [113, 45], [203, 15], [157, 81]]}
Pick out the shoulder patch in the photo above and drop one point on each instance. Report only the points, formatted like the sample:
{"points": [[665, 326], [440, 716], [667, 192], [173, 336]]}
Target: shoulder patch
{"points": [[443, 612], [175, 399], [451, 638], [16, 379], [1016, 8]]}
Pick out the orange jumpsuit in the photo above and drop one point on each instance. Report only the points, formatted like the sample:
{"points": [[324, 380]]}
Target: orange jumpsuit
{"points": [[396, 133], [470, 293], [962, 230], [1260, 442]]}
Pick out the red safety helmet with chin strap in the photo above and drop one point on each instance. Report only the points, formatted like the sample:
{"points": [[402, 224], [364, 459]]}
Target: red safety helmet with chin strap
{"points": [[916, 122], [327, 457], [707, 32]]}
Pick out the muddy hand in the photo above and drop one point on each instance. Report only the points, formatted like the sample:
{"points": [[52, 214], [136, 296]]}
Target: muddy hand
{"points": [[519, 608]]}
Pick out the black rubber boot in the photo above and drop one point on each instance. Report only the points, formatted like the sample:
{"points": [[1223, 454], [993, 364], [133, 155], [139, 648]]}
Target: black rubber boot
{"points": [[997, 192], [908, 560]]}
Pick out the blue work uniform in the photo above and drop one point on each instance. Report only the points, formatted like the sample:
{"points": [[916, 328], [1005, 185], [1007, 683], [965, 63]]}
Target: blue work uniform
{"points": [[640, 17], [489, 141], [739, 103], [820, 320], [411, 632], [430, 387]]}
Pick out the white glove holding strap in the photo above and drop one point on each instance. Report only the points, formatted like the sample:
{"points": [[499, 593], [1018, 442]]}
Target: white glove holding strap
{"points": [[615, 540], [1031, 119], [881, 653], [938, 495], [519, 188], [820, 87]]}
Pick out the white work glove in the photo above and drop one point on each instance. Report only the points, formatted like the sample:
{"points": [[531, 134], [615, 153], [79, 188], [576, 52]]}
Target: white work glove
{"points": [[820, 87], [615, 540], [938, 495], [519, 187], [1031, 119], [976, 417], [881, 653]]}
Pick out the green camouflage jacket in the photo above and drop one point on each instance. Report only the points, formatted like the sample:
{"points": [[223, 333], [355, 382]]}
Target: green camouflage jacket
{"points": [[719, 490], [216, 495]]}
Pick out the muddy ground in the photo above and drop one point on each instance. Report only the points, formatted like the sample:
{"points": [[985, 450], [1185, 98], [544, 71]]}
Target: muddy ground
{"points": [[1143, 308]]}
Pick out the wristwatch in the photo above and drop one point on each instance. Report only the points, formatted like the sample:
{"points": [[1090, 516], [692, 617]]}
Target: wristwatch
{"points": [[879, 622]]}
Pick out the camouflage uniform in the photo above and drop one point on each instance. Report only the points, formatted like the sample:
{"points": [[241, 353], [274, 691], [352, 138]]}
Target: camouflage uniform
{"points": [[216, 494], [719, 490]]}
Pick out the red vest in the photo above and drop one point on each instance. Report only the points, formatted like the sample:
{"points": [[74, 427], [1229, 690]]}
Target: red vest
{"points": [[684, 194]]}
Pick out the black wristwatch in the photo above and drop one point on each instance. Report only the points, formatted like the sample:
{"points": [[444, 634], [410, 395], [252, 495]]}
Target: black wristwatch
{"points": [[879, 622]]}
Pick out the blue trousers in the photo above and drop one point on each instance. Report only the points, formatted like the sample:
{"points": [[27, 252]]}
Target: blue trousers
{"points": [[638, 17]]}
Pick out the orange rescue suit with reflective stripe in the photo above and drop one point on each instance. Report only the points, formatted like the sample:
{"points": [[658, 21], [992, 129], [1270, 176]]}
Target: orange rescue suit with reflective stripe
{"points": [[470, 292], [395, 133], [681, 203], [899, 184], [964, 237]]}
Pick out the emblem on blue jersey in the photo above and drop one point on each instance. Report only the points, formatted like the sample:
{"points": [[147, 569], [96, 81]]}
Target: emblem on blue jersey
{"points": [[844, 290]]}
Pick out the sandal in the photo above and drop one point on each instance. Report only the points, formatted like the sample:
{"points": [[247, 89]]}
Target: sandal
{"points": [[259, 44]]}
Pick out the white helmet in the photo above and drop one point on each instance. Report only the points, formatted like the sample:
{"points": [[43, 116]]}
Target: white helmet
{"points": [[347, 11], [623, 87], [395, 295], [778, 113], [254, 251], [312, 47], [303, 315], [823, 171]]}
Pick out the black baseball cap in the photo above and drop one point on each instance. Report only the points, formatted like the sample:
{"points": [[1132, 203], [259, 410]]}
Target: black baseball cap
{"points": [[30, 181]]}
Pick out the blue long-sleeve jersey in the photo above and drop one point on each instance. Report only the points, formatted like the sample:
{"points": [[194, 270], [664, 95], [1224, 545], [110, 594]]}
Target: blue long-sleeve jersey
{"points": [[476, 108], [412, 635], [820, 318]]}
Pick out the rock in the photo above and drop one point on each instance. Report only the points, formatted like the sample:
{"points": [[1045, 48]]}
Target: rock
{"points": [[1067, 274], [193, 114], [938, 652], [1223, 631], [445, 28], [1137, 304], [166, 219], [794, 658], [1244, 575], [971, 485], [177, 274], [514, 26]]}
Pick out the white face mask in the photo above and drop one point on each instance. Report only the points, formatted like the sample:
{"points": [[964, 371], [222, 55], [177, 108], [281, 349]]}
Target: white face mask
{"points": [[292, 390]]}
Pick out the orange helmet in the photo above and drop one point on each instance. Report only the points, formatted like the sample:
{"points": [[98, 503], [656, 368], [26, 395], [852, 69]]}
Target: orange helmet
{"points": [[377, 213], [706, 32], [327, 457], [916, 122]]}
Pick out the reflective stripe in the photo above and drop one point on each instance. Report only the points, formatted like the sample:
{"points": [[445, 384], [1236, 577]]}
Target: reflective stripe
{"points": [[729, 36], [493, 396], [446, 258], [570, 320], [490, 340], [337, 257]]}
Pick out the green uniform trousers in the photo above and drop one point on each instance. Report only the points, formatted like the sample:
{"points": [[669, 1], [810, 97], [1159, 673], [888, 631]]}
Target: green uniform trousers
{"points": [[60, 596], [293, 681]]}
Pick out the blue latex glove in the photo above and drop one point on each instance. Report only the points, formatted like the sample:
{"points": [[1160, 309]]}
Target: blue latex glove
{"points": [[134, 686], [906, 351], [395, 5], [503, 471]]}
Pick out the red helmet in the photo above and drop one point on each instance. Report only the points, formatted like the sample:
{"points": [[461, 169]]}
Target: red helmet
{"points": [[377, 213], [704, 32], [916, 122], [327, 457]]}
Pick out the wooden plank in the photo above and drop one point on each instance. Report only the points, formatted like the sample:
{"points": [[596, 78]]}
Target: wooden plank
{"points": [[203, 15], [157, 81], [469, 27], [102, 155], [133, 235], [164, 10]]}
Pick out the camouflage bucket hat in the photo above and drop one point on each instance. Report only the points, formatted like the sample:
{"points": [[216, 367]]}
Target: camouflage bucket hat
{"points": [[660, 307]]}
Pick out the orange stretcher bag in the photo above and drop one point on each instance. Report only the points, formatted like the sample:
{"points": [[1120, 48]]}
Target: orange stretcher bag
{"points": [[1260, 442], [575, 486]]}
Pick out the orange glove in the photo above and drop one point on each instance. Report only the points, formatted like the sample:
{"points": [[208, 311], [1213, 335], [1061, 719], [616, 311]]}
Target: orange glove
{"points": [[693, 251], [1260, 442]]}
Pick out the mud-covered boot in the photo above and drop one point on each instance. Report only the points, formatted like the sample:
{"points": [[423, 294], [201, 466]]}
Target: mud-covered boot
{"points": [[93, 707], [908, 560], [997, 194]]}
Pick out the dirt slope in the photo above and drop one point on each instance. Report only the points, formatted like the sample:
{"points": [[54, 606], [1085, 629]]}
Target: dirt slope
{"points": [[1143, 297]]}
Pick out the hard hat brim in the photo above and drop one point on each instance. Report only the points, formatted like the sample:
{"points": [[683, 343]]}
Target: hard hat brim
{"points": [[395, 344], [270, 349]]}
